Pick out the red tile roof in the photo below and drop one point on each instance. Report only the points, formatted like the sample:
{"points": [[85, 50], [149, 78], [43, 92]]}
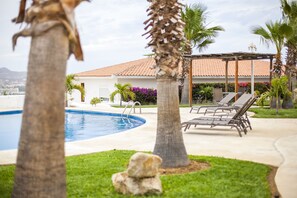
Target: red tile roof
{"points": [[201, 68]]}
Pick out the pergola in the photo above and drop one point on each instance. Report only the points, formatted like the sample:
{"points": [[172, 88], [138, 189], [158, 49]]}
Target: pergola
{"points": [[235, 56]]}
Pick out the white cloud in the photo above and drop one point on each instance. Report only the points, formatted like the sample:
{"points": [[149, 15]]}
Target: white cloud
{"points": [[111, 30]]}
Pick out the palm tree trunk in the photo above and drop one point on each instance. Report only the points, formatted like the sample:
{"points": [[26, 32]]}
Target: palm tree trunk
{"points": [[169, 141], [277, 65], [185, 91], [185, 75], [290, 64], [40, 169]]}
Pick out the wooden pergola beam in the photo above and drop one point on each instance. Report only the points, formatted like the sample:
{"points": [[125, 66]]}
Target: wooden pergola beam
{"points": [[231, 56], [270, 67], [226, 77], [236, 78], [235, 56]]}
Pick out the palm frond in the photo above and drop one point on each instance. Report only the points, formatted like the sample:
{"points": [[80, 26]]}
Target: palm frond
{"points": [[196, 31], [113, 94], [80, 89]]}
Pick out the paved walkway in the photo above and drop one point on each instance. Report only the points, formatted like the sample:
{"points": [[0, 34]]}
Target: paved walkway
{"points": [[272, 141]]}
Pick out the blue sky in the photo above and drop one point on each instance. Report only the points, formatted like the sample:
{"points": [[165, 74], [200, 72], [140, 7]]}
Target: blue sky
{"points": [[111, 30]]}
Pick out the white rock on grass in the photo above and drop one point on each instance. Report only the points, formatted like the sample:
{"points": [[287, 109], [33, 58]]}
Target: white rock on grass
{"points": [[134, 186], [144, 165], [141, 177]]}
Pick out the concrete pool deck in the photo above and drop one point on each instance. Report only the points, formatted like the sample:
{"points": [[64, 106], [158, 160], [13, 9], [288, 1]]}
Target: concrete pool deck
{"points": [[272, 141]]}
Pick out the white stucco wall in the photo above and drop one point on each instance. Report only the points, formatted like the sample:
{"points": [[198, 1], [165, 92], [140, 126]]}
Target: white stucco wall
{"points": [[104, 86], [12, 101], [95, 87]]}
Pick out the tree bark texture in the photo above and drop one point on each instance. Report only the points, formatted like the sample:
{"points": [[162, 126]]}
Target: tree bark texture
{"points": [[165, 28], [40, 169], [185, 91], [291, 71], [186, 62], [169, 141]]}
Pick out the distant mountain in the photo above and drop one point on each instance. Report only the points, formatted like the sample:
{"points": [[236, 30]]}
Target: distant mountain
{"points": [[6, 74]]}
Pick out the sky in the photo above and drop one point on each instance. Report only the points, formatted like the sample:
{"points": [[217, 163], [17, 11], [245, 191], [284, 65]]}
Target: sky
{"points": [[110, 30]]}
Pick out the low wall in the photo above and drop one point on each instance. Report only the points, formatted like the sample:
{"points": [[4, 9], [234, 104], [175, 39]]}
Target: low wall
{"points": [[12, 101]]}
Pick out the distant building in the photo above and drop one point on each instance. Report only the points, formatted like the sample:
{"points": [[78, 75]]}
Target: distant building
{"points": [[140, 73]]}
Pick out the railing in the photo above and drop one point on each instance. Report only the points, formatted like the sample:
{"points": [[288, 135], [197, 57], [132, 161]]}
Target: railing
{"points": [[131, 104]]}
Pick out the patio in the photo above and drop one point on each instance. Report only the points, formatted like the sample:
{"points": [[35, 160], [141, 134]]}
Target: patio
{"points": [[270, 142]]}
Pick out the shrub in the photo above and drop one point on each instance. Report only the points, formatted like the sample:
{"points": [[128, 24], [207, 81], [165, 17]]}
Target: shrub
{"points": [[145, 95], [261, 87], [95, 101]]}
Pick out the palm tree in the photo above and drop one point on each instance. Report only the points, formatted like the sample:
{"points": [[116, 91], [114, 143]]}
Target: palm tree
{"points": [[290, 16], [274, 33], [40, 168], [166, 29], [70, 87], [198, 36], [124, 91]]}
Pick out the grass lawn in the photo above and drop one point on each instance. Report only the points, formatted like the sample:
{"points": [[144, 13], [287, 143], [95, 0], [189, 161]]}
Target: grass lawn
{"points": [[90, 176], [271, 113]]}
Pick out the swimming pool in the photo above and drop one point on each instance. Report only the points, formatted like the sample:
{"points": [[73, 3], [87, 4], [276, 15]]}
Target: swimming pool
{"points": [[79, 125]]}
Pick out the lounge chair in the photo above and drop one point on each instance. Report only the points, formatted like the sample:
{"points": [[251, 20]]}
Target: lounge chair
{"points": [[223, 102], [239, 120], [235, 106]]}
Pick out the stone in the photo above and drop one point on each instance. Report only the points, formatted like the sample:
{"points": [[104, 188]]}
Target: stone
{"points": [[141, 177], [136, 186], [143, 165]]}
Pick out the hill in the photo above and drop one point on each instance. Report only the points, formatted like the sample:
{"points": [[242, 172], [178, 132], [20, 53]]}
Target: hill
{"points": [[6, 74]]}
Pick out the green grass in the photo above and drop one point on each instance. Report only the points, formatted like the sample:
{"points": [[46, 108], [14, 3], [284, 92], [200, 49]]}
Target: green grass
{"points": [[271, 113], [90, 176]]}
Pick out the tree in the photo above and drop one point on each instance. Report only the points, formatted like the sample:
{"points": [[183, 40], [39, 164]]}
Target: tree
{"points": [[198, 36], [124, 91], [290, 16], [70, 87], [274, 33], [40, 168], [166, 29]]}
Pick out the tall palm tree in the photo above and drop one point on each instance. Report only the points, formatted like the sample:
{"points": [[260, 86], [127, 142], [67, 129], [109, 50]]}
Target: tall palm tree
{"points": [[274, 33], [166, 29], [124, 91], [70, 87], [40, 168], [290, 16], [198, 36]]}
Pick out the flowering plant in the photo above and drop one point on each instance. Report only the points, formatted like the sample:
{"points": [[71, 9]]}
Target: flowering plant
{"points": [[145, 95]]}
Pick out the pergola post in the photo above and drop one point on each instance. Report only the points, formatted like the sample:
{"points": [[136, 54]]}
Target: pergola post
{"points": [[235, 56], [190, 83], [226, 76], [252, 77], [236, 77], [270, 69]]}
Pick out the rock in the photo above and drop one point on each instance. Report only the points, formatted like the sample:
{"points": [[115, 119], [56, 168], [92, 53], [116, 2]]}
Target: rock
{"points": [[141, 177], [143, 165], [135, 186]]}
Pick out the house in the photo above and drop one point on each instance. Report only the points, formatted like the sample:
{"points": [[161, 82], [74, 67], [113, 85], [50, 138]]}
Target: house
{"points": [[140, 73]]}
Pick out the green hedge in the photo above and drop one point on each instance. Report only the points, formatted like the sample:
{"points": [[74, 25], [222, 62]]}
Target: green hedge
{"points": [[244, 86]]}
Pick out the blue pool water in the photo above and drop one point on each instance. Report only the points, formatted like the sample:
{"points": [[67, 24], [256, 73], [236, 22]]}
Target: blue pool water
{"points": [[79, 125]]}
